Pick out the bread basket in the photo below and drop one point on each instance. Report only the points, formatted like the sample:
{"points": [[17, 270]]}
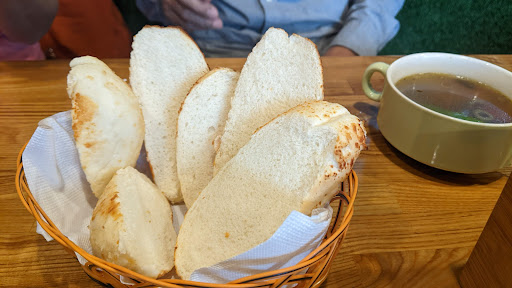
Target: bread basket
{"points": [[309, 272]]}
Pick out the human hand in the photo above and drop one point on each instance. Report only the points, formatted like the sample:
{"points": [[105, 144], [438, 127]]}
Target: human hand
{"points": [[339, 51], [192, 14]]}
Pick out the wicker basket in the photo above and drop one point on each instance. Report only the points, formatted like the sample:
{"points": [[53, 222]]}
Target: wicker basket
{"points": [[309, 272]]}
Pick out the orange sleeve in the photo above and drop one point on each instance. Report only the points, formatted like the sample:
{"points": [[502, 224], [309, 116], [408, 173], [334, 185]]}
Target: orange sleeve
{"points": [[92, 27]]}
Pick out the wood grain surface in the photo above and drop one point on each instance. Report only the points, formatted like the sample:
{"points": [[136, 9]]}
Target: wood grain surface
{"points": [[490, 263], [414, 226]]}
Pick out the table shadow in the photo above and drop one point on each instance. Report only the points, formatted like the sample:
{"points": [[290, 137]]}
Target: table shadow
{"points": [[368, 113]]}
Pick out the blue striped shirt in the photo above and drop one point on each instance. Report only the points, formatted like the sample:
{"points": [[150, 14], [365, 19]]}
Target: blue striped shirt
{"points": [[364, 26]]}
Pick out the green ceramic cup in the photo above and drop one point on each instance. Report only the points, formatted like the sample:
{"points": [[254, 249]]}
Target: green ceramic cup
{"points": [[433, 138]]}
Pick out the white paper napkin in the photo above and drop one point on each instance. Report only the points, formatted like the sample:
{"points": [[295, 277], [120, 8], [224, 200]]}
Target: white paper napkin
{"points": [[295, 239], [56, 179]]}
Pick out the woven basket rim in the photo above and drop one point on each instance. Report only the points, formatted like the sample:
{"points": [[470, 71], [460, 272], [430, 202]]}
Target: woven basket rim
{"points": [[350, 184]]}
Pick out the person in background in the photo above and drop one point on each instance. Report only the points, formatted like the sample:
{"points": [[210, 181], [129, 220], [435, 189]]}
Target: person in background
{"points": [[231, 28], [22, 24], [87, 27]]}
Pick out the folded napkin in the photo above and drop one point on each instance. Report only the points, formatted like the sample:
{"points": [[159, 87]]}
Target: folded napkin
{"points": [[58, 183]]}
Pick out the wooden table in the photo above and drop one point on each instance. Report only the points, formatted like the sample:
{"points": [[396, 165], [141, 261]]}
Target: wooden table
{"points": [[414, 226]]}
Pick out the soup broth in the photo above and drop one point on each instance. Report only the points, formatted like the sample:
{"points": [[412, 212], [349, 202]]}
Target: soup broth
{"points": [[458, 97]]}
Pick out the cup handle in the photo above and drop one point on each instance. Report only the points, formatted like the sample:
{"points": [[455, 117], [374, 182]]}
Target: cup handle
{"points": [[380, 67]]}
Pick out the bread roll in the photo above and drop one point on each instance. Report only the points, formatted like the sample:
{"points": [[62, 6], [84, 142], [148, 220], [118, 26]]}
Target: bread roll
{"points": [[131, 225], [107, 121], [201, 120], [280, 73], [295, 162], [164, 64]]}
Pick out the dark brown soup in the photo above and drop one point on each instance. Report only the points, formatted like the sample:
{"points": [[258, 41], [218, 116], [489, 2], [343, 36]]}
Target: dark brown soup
{"points": [[457, 97]]}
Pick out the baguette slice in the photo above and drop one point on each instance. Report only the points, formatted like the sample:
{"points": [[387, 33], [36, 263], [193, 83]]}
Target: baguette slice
{"points": [[131, 225], [296, 162], [107, 121], [280, 73], [201, 120], [164, 64]]}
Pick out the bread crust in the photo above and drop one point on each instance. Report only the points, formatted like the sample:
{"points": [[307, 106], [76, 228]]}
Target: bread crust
{"points": [[106, 120], [130, 211], [201, 121], [295, 162], [161, 91], [179, 28], [278, 89]]}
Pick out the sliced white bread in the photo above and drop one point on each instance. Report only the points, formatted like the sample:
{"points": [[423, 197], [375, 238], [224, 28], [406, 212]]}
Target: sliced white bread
{"points": [[280, 73], [107, 121], [164, 64], [296, 162], [131, 225], [201, 120]]}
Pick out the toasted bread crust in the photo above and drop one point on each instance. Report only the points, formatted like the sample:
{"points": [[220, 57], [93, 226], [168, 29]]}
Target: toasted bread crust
{"points": [[105, 117], [295, 162]]}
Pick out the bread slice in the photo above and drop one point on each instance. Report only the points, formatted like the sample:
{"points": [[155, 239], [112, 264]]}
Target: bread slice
{"points": [[131, 225], [201, 120], [164, 64], [295, 162], [280, 73], [107, 121]]}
